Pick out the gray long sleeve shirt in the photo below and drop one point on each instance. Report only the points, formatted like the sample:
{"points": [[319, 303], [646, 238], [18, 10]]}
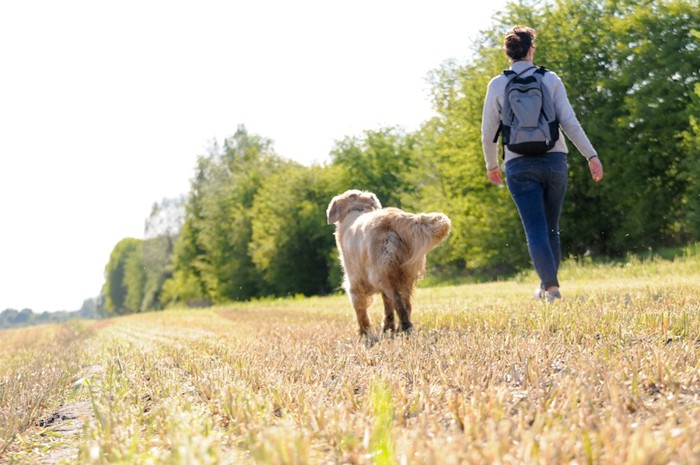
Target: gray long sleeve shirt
{"points": [[491, 116]]}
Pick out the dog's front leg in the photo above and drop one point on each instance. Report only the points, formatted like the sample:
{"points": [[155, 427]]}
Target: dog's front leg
{"points": [[360, 302], [389, 322]]}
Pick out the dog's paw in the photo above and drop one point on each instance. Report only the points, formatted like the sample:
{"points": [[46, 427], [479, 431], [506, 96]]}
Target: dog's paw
{"points": [[389, 328], [406, 329]]}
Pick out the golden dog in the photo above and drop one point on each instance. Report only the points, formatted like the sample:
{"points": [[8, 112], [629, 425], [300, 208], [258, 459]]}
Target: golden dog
{"points": [[382, 250]]}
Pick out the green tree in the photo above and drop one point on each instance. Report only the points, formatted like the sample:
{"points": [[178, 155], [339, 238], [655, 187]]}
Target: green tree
{"points": [[691, 168], [655, 67], [211, 261], [187, 285], [134, 279], [161, 231], [91, 309], [24, 318], [118, 278], [379, 161], [7, 317], [292, 245]]}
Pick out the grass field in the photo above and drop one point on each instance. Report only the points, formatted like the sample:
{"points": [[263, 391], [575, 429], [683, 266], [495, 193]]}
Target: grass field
{"points": [[608, 375]]}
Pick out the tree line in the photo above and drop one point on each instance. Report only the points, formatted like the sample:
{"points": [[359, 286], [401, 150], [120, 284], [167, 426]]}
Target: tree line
{"points": [[253, 223], [91, 309]]}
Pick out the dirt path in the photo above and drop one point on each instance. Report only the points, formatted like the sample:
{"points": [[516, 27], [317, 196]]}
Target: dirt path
{"points": [[67, 423], [54, 438]]}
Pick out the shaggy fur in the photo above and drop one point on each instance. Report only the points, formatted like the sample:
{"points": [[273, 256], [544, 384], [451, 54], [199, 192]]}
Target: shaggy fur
{"points": [[382, 250]]}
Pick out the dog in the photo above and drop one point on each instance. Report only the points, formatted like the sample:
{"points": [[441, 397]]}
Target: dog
{"points": [[382, 250]]}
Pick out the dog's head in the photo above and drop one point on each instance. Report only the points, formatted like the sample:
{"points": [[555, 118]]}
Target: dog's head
{"points": [[349, 201]]}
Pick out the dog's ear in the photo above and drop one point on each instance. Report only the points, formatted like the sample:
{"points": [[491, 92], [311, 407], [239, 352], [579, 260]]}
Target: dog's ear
{"points": [[333, 212], [375, 201]]}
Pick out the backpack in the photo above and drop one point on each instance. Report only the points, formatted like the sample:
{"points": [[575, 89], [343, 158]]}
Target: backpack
{"points": [[528, 122]]}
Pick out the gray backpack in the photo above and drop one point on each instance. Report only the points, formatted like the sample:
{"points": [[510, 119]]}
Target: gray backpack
{"points": [[528, 122]]}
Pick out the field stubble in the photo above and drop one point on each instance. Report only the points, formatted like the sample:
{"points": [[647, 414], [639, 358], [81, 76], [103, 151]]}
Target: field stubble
{"points": [[608, 375]]}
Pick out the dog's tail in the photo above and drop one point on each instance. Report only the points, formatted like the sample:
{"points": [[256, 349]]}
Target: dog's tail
{"points": [[437, 225], [423, 232]]}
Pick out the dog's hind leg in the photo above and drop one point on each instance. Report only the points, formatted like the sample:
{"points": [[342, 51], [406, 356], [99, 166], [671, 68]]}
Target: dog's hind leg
{"points": [[360, 302], [389, 322]]}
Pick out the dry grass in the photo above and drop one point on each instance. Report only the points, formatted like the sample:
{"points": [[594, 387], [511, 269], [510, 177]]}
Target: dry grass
{"points": [[609, 375], [36, 364]]}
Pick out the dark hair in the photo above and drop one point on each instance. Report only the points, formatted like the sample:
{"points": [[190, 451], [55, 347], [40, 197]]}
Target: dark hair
{"points": [[518, 42]]}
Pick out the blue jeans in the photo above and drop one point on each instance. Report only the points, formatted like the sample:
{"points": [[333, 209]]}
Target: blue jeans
{"points": [[537, 185]]}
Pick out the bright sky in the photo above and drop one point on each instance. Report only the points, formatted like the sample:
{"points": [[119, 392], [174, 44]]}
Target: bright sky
{"points": [[104, 107]]}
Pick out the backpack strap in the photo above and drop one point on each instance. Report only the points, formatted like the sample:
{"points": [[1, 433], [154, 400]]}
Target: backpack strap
{"points": [[509, 72], [498, 132]]}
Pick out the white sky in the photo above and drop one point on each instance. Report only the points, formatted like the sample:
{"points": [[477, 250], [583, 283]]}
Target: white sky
{"points": [[104, 107]]}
